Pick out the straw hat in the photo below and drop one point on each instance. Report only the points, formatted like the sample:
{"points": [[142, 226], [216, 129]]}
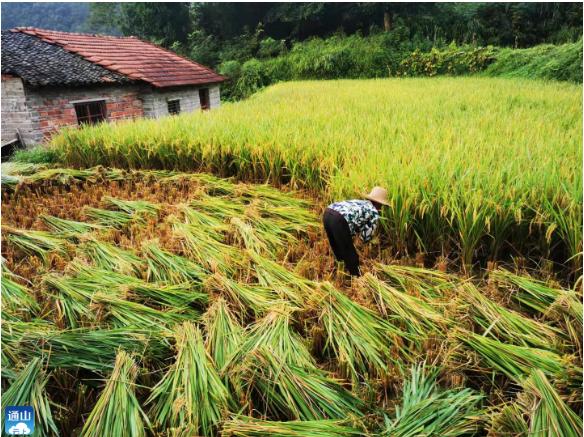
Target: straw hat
{"points": [[378, 195]]}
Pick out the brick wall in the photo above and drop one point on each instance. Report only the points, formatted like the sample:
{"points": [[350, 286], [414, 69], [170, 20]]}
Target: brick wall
{"points": [[156, 102], [15, 115], [39, 112], [52, 108]]}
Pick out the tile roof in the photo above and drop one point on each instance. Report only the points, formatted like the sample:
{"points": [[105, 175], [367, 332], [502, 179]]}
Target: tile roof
{"points": [[130, 56], [39, 63]]}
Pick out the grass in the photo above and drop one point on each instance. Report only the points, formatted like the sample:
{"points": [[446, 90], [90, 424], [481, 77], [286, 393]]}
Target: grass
{"points": [[443, 147]]}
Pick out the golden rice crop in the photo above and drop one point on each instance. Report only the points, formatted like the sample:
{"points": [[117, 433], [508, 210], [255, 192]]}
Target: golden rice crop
{"points": [[470, 163]]}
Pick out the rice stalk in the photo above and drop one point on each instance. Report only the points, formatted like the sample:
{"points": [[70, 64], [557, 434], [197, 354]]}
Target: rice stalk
{"points": [[508, 325], [193, 216], [431, 284], [222, 208], [165, 266], [246, 236], [16, 298], [210, 253], [426, 410], [106, 256], [245, 426], [68, 227], [287, 284], [515, 362], [509, 420], [224, 333], [358, 338], [35, 243], [117, 411], [190, 398], [133, 207], [273, 333], [418, 317], [107, 218], [286, 391], [549, 414], [88, 348], [248, 298], [540, 296], [29, 389]]}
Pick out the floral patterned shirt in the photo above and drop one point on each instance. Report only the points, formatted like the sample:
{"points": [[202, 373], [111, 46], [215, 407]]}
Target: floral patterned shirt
{"points": [[361, 216]]}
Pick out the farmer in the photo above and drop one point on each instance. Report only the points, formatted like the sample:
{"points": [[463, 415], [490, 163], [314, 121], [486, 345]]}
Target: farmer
{"points": [[343, 220]]}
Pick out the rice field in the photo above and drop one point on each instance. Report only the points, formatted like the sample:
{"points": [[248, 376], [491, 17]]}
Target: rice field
{"points": [[154, 302], [478, 169]]}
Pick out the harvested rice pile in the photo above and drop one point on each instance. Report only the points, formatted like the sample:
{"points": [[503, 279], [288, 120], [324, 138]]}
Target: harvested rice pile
{"points": [[161, 303]]}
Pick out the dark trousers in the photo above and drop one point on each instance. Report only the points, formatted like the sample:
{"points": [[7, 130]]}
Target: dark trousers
{"points": [[339, 236]]}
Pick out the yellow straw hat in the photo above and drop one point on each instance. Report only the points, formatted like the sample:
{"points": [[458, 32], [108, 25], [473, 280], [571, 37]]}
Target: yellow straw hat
{"points": [[379, 195]]}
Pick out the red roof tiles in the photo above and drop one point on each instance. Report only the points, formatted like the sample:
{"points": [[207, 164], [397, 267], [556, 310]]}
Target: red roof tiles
{"points": [[130, 56]]}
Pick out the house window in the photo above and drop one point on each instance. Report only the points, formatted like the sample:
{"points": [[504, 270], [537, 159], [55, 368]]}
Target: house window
{"points": [[90, 112], [173, 106], [204, 98]]}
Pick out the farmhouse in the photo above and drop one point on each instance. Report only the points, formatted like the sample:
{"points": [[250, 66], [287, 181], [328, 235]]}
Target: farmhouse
{"points": [[55, 79]]}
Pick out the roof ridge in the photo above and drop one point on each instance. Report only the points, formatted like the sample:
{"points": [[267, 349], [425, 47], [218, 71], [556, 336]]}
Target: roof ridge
{"points": [[24, 29]]}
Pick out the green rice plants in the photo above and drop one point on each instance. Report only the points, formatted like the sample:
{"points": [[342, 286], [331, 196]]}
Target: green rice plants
{"points": [[418, 317], [224, 333], [508, 325], [428, 283], [107, 218], [246, 235], [508, 420], [289, 218], [427, 410], [245, 426], [515, 362], [213, 255], [286, 391], [106, 256], [164, 266], [29, 389], [35, 243], [222, 208], [248, 298], [88, 348], [358, 338], [174, 296], [72, 299], [193, 216], [68, 227], [133, 207], [548, 413], [190, 398], [117, 410], [16, 297], [286, 283], [540, 296], [274, 334]]}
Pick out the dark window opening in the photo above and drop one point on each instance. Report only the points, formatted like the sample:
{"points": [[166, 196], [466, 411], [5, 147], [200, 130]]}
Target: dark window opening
{"points": [[90, 112], [173, 106], [204, 98]]}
